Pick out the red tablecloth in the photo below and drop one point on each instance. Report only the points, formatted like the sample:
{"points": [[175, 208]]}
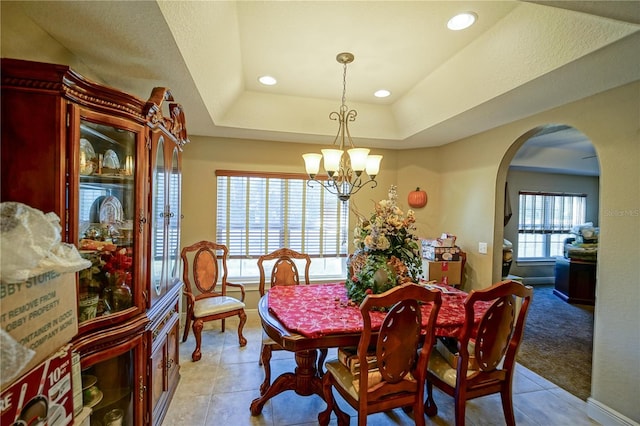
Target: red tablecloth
{"points": [[321, 309]]}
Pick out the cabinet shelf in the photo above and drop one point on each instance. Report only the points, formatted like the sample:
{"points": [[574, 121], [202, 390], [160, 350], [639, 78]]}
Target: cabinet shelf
{"points": [[106, 178]]}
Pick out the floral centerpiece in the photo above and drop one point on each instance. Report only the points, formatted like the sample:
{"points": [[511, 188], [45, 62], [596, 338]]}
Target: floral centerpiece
{"points": [[387, 251]]}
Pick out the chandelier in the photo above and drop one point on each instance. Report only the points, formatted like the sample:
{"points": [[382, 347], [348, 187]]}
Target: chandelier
{"points": [[344, 171]]}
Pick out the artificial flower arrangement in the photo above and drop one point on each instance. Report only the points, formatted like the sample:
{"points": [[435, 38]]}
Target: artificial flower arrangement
{"points": [[118, 265], [109, 278], [387, 251]]}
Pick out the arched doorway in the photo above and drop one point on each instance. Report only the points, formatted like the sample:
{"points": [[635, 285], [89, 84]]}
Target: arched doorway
{"points": [[552, 161]]}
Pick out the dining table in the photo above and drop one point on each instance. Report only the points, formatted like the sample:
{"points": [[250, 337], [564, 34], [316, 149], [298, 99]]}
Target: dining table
{"points": [[305, 318]]}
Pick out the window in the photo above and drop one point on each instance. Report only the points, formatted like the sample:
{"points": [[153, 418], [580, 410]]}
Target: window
{"points": [[546, 220], [261, 212], [90, 199]]}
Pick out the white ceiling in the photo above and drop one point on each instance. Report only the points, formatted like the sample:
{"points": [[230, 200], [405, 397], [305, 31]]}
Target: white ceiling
{"points": [[519, 59]]}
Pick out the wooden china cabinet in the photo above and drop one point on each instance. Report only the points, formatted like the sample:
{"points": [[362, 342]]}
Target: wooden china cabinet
{"points": [[109, 165]]}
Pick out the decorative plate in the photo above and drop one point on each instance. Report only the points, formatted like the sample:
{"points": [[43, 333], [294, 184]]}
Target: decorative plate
{"points": [[87, 157], [111, 211], [111, 160]]}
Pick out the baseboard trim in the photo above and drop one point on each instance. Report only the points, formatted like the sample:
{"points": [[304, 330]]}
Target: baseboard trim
{"points": [[538, 280], [607, 416]]}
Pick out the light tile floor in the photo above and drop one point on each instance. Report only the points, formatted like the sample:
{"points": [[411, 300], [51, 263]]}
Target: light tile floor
{"points": [[218, 390]]}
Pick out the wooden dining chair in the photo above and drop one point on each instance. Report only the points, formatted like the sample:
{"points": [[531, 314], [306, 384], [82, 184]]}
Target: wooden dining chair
{"points": [[208, 301], [397, 376], [494, 343], [283, 272]]}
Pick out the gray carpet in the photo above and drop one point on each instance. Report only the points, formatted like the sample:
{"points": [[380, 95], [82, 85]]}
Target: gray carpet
{"points": [[558, 342]]}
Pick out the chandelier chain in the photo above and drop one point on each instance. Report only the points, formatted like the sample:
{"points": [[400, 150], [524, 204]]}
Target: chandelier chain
{"points": [[344, 86]]}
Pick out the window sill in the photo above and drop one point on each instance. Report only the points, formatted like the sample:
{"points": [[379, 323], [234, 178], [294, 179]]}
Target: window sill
{"points": [[547, 261], [252, 284]]}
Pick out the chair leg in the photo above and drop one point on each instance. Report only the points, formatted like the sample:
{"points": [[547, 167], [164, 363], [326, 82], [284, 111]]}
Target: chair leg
{"points": [[325, 416], [418, 410], [187, 326], [243, 319], [265, 358], [321, 359], [507, 405], [418, 415], [461, 406], [222, 326], [198, 324], [362, 416], [430, 407]]}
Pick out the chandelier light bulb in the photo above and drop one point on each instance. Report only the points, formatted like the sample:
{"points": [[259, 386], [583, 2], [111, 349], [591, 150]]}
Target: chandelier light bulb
{"points": [[373, 165], [312, 163], [332, 159], [358, 157]]}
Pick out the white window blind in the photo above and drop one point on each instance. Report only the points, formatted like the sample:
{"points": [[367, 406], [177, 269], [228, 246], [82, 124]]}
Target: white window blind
{"points": [[173, 232], [545, 220], [261, 212]]}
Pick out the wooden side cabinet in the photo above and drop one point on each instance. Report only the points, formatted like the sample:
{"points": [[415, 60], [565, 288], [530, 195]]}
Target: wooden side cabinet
{"points": [[163, 365], [575, 281]]}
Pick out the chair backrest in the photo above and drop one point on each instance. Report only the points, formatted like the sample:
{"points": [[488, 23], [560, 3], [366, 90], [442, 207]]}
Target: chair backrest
{"points": [[402, 368], [284, 270], [202, 263], [499, 333]]}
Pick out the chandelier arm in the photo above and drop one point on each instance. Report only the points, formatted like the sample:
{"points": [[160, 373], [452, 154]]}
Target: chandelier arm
{"points": [[373, 183], [331, 186], [350, 116]]}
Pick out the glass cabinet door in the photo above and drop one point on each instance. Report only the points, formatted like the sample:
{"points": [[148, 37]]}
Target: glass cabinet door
{"points": [[111, 385], [166, 180], [158, 209], [173, 234], [106, 216]]}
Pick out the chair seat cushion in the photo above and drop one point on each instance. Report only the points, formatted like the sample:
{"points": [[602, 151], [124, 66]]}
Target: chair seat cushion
{"points": [[345, 379], [441, 368], [216, 305]]}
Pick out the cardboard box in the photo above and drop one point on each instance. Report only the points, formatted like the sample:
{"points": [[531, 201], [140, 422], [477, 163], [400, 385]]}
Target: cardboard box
{"points": [[40, 314], [438, 271], [44, 393], [452, 358], [441, 253]]}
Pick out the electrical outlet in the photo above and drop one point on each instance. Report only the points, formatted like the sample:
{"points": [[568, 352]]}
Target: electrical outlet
{"points": [[482, 248]]}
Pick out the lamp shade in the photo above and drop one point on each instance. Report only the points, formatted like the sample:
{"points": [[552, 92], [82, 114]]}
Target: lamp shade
{"points": [[312, 163], [332, 160], [373, 165], [358, 157]]}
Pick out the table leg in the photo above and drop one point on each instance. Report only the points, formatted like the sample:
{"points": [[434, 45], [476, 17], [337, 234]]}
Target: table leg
{"points": [[304, 381]]}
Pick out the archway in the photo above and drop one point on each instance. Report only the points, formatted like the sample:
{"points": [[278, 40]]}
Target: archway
{"points": [[551, 348]]}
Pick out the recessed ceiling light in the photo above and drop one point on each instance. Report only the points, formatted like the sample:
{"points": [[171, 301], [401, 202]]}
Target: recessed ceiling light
{"points": [[267, 80], [462, 21], [382, 93]]}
